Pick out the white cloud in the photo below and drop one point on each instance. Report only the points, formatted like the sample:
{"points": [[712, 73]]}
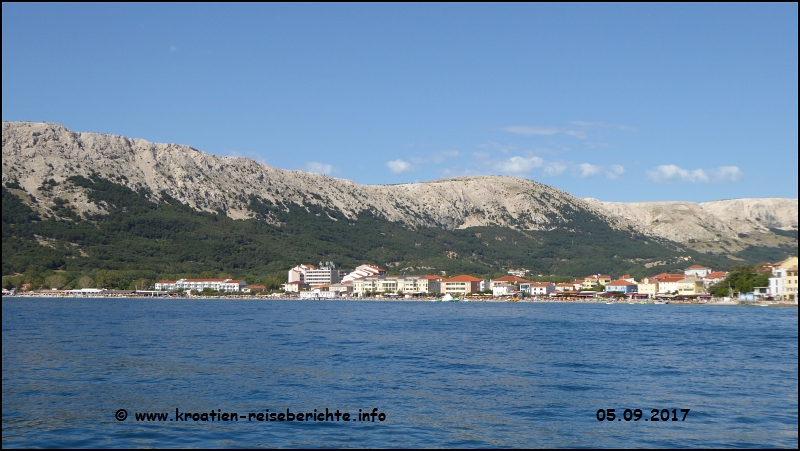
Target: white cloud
{"points": [[481, 155], [173, 49], [670, 173], [587, 170], [525, 130], [727, 174], [624, 128], [439, 157], [518, 165], [579, 135], [319, 168], [614, 171], [399, 166], [554, 168]]}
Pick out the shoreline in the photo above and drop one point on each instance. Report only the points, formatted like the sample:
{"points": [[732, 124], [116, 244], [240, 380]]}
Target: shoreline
{"points": [[389, 299]]}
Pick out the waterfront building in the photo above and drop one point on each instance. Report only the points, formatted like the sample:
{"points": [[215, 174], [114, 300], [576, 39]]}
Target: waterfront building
{"points": [[229, 285], [537, 288], [589, 283], [363, 271], [783, 283], [699, 271], [504, 289], [295, 287], [514, 280], [714, 277], [562, 287], [254, 288], [326, 274], [298, 273], [397, 284], [648, 286], [668, 283], [341, 288], [595, 280], [690, 286], [790, 284], [463, 284], [621, 286]]}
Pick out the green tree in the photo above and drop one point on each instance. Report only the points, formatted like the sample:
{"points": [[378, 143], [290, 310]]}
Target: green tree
{"points": [[56, 281], [85, 282]]}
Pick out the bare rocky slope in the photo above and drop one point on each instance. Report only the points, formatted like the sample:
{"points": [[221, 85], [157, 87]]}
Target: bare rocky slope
{"points": [[34, 153]]}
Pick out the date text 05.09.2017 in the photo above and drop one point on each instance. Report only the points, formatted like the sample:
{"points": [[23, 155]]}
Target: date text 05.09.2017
{"points": [[636, 415]]}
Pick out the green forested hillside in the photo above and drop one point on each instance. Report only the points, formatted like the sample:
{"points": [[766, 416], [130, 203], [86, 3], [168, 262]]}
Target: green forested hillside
{"points": [[141, 240]]}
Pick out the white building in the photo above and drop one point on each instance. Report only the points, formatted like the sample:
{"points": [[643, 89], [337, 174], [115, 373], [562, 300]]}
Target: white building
{"points": [[538, 288], [504, 289], [298, 273], [397, 284], [323, 276], [363, 271], [697, 271], [776, 283], [229, 285]]}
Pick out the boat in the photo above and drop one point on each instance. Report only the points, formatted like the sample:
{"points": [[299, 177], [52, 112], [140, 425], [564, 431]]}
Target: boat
{"points": [[658, 302], [448, 298]]}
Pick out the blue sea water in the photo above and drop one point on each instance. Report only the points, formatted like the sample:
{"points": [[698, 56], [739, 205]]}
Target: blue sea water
{"points": [[444, 374]]}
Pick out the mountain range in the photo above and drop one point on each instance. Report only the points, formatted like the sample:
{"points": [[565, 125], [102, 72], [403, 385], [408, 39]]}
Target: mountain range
{"points": [[57, 173]]}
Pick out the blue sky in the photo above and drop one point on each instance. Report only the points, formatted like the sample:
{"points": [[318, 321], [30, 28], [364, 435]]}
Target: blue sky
{"points": [[618, 102]]}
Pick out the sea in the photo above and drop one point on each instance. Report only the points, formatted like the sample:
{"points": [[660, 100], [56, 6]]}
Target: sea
{"points": [[106, 373]]}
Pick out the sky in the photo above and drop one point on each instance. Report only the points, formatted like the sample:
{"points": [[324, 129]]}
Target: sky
{"points": [[619, 102]]}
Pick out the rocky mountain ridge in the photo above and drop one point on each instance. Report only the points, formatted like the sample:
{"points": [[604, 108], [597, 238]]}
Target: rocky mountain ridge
{"points": [[35, 153]]}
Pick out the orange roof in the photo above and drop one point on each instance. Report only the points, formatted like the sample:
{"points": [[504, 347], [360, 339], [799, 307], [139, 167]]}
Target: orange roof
{"points": [[540, 284], [205, 280], [619, 282], [664, 277], [714, 275], [698, 267], [511, 279], [432, 277], [463, 278]]}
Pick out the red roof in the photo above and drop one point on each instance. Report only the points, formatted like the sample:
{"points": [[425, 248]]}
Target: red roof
{"points": [[716, 274], [664, 277], [463, 278], [619, 282], [540, 284], [698, 267], [205, 280], [511, 279]]}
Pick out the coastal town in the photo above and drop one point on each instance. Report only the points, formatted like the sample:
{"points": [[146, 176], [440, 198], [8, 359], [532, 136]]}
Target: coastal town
{"points": [[326, 282]]}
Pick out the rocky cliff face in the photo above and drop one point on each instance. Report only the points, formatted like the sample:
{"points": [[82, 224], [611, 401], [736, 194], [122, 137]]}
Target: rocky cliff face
{"points": [[34, 153], [719, 226]]}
